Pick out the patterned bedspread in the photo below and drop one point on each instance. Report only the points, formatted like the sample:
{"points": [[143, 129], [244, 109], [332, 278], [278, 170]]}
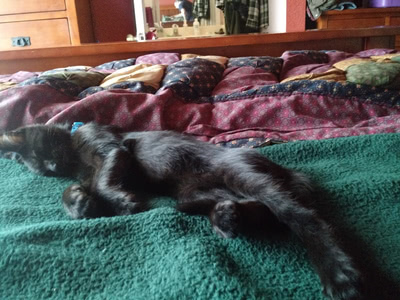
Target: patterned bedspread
{"points": [[301, 95]]}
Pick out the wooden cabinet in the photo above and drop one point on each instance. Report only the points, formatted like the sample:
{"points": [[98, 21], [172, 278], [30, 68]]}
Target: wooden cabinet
{"points": [[44, 23], [361, 18], [30, 6]]}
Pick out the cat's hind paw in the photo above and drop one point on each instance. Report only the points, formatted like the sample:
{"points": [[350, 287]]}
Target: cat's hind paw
{"points": [[76, 202], [344, 284], [225, 219]]}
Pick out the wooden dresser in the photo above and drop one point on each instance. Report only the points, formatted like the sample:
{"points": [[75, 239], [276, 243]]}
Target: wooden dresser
{"points": [[44, 23], [361, 18]]}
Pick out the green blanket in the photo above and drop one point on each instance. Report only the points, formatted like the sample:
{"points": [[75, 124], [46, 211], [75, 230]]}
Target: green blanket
{"points": [[164, 254]]}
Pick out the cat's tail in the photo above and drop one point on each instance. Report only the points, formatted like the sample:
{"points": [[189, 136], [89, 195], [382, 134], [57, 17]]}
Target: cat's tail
{"points": [[255, 177]]}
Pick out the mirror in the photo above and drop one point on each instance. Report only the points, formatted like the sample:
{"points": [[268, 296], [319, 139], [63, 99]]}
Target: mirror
{"points": [[114, 20], [174, 18]]}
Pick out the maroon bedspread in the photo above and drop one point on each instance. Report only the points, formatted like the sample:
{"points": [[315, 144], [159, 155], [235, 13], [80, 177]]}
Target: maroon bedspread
{"points": [[301, 95]]}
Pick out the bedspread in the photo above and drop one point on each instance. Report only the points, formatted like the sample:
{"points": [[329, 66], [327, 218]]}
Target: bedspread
{"points": [[164, 254], [245, 101], [301, 95]]}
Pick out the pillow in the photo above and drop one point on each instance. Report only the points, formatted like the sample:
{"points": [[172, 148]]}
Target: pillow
{"points": [[345, 64], [375, 74], [67, 69], [137, 86], [148, 74], [240, 79], [64, 86], [193, 78], [387, 57], [267, 63], [158, 58], [302, 62], [81, 78], [222, 60], [311, 56], [117, 64]]}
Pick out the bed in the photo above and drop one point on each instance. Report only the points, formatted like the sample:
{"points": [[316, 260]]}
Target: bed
{"points": [[332, 113]]}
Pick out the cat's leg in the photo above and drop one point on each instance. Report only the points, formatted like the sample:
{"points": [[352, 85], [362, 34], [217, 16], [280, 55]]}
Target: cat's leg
{"points": [[11, 155], [199, 196], [229, 213], [229, 218], [258, 179], [224, 216], [115, 181], [225, 219], [78, 203]]}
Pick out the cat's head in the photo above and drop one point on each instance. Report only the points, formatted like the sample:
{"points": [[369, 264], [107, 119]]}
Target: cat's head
{"points": [[45, 150]]}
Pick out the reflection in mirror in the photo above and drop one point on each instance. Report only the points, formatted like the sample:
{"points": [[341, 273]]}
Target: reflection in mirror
{"points": [[209, 17], [174, 12], [177, 18], [185, 8], [204, 10]]}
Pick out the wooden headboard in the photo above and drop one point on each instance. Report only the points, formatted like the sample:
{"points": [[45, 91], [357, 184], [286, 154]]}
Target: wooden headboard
{"points": [[350, 40]]}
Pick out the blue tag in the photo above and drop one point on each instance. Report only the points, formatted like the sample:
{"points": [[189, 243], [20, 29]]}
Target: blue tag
{"points": [[75, 126]]}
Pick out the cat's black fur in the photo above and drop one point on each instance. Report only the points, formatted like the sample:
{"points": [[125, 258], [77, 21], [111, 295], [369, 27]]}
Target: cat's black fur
{"points": [[119, 171]]}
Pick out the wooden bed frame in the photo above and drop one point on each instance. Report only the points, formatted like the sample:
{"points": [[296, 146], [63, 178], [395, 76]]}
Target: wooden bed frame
{"points": [[350, 40]]}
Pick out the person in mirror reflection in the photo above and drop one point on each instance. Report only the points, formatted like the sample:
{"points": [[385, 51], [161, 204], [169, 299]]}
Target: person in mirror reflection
{"points": [[185, 8]]}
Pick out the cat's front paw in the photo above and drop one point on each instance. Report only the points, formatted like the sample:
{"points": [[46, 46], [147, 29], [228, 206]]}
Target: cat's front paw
{"points": [[76, 202], [225, 219], [344, 283]]}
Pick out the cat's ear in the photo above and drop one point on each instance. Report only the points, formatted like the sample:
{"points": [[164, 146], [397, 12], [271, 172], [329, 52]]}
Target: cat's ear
{"points": [[12, 140]]}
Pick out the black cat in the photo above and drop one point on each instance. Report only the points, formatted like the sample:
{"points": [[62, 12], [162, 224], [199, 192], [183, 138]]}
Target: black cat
{"points": [[119, 171]]}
